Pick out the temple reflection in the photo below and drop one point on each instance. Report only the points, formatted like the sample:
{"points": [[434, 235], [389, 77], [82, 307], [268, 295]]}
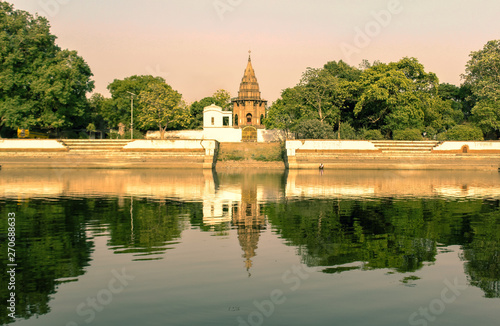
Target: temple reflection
{"points": [[238, 200]]}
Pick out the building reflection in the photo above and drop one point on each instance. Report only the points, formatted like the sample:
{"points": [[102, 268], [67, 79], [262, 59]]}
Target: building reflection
{"points": [[237, 202]]}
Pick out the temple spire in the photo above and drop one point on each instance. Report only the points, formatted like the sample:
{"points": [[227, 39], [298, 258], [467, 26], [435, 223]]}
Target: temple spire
{"points": [[249, 87]]}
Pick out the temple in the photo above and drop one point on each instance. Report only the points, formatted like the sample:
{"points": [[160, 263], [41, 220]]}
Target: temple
{"points": [[248, 108]]}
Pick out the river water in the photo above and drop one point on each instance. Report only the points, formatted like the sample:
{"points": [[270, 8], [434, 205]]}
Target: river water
{"points": [[189, 248]]}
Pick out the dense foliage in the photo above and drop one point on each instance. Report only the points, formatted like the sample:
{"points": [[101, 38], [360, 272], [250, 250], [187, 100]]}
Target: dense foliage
{"points": [[41, 85], [44, 87], [399, 100]]}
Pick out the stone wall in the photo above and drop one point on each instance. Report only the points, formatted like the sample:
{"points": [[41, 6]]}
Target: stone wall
{"points": [[339, 154], [108, 154], [220, 134], [468, 147], [40, 145]]}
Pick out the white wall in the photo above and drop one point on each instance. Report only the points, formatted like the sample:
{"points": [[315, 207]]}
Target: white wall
{"points": [[158, 145], [473, 146], [31, 144], [346, 145], [221, 134], [213, 116]]}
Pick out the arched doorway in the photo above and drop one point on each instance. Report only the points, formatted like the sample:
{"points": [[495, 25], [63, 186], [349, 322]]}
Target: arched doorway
{"points": [[249, 119]]}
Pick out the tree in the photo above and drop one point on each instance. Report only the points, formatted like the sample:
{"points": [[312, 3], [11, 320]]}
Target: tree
{"points": [[313, 129], [482, 74], [161, 107], [399, 95], [222, 98], [97, 105], [324, 93], [41, 85], [120, 89]]}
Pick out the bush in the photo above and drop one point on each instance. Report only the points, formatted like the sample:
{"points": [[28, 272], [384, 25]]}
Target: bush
{"points": [[430, 133], [464, 132], [372, 135], [314, 129], [126, 135], [346, 132], [407, 134], [231, 156]]}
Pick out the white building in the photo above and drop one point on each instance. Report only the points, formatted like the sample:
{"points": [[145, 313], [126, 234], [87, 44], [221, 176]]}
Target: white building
{"points": [[215, 117]]}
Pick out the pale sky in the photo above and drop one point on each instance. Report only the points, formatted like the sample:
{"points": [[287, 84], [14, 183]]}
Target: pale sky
{"points": [[200, 46]]}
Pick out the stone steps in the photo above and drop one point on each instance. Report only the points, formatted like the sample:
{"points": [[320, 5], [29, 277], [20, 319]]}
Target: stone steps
{"points": [[395, 147], [91, 146]]}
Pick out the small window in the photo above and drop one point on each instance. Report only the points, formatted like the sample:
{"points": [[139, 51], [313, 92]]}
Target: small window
{"points": [[213, 121], [225, 121], [236, 119]]}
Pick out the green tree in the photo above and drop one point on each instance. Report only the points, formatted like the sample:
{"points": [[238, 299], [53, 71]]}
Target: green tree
{"points": [[324, 93], [161, 107], [286, 111], [464, 132], [397, 96], [41, 85], [222, 98], [482, 74], [97, 105], [120, 89], [313, 129]]}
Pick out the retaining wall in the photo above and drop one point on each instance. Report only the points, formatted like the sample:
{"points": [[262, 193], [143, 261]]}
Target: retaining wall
{"points": [[220, 134], [40, 145], [135, 154], [339, 154]]}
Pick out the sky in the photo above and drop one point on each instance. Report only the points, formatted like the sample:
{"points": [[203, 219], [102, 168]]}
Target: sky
{"points": [[200, 46]]}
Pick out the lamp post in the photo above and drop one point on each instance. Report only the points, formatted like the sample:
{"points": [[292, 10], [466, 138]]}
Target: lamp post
{"points": [[131, 114]]}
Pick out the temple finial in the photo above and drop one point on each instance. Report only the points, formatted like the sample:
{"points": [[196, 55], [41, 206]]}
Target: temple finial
{"points": [[249, 53]]}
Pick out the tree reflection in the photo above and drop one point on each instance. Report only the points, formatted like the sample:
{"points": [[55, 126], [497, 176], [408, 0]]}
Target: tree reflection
{"points": [[51, 248], [482, 254], [391, 233]]}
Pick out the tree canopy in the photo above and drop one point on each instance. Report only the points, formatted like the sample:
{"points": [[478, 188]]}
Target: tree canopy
{"points": [[41, 85], [482, 74], [161, 107], [385, 97], [118, 111]]}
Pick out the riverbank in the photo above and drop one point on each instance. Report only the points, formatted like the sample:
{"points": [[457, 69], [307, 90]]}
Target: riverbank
{"points": [[392, 155], [209, 154]]}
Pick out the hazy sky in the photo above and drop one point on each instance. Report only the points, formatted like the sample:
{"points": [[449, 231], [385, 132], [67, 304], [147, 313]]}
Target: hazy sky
{"points": [[200, 46]]}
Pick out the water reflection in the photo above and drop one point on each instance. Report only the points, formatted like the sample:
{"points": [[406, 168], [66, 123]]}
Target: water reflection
{"points": [[339, 221]]}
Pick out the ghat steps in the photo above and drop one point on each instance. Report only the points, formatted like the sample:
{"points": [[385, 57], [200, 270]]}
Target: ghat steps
{"points": [[84, 146], [405, 147]]}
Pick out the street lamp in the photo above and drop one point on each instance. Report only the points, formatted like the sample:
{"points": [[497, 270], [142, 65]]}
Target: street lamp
{"points": [[131, 114]]}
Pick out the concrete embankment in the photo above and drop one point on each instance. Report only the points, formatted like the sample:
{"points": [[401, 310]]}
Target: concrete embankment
{"points": [[122, 154], [397, 155], [209, 154]]}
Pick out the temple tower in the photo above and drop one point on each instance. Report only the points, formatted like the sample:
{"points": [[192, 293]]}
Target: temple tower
{"points": [[248, 108]]}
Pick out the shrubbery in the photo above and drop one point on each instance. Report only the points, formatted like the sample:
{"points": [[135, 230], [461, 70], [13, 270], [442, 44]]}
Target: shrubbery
{"points": [[407, 134], [346, 132], [371, 135], [463, 132], [314, 129]]}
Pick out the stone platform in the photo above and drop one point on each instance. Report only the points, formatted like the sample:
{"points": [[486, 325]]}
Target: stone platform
{"points": [[120, 154], [393, 155]]}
